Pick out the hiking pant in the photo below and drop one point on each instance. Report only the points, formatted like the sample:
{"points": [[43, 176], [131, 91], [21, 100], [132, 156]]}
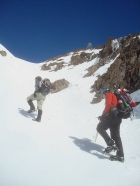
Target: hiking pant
{"points": [[39, 98], [113, 123]]}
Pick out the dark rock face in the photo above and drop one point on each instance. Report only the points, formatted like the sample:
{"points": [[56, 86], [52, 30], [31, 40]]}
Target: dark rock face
{"points": [[77, 59], [107, 49], [125, 71]]}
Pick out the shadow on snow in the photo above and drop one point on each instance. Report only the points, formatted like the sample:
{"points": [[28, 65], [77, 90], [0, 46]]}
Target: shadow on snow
{"points": [[136, 112], [26, 114], [90, 147]]}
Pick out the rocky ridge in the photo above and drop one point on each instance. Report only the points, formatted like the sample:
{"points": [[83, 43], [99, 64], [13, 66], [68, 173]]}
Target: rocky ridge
{"points": [[124, 72]]}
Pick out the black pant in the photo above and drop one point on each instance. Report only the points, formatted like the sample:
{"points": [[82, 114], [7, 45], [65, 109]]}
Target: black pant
{"points": [[111, 122]]}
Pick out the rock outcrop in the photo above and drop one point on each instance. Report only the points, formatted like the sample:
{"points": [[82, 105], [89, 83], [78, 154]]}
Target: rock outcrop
{"points": [[125, 71], [53, 66], [60, 85], [77, 57], [3, 53]]}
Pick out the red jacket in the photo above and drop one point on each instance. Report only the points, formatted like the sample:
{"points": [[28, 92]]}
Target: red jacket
{"points": [[110, 102]]}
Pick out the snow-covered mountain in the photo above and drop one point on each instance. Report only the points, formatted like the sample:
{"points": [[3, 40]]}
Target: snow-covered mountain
{"points": [[61, 150]]}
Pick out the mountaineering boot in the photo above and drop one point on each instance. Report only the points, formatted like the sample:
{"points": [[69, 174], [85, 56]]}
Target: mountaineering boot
{"points": [[110, 147], [32, 107], [116, 158], [110, 143], [38, 119]]}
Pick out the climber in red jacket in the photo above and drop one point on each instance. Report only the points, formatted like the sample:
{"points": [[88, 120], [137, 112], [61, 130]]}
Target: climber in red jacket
{"points": [[111, 120], [110, 102]]}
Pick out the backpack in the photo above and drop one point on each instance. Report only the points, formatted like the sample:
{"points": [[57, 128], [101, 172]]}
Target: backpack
{"points": [[124, 103]]}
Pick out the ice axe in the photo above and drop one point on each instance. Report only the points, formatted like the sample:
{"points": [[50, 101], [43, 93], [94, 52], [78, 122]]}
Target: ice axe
{"points": [[97, 132], [96, 137]]}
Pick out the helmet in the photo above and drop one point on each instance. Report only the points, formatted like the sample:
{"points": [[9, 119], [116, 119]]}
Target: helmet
{"points": [[104, 90]]}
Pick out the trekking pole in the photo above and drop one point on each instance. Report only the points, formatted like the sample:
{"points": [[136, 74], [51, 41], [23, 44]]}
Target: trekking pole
{"points": [[96, 137]]}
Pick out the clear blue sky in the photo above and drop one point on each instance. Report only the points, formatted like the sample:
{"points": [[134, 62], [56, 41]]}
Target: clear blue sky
{"points": [[36, 30]]}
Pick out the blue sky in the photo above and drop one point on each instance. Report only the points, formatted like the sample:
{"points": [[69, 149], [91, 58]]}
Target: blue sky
{"points": [[36, 30]]}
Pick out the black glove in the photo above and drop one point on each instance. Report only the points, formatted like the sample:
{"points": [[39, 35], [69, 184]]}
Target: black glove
{"points": [[100, 118]]}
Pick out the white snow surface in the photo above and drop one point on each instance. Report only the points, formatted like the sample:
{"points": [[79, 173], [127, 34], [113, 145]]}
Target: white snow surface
{"points": [[61, 150]]}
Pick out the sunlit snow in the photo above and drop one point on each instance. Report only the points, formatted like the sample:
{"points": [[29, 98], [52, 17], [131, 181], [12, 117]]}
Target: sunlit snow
{"points": [[61, 150]]}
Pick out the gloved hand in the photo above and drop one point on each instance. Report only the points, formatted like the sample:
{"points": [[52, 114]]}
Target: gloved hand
{"points": [[35, 94], [100, 118]]}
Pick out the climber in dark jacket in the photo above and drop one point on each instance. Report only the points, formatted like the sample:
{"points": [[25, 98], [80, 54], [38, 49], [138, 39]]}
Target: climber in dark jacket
{"points": [[42, 89], [111, 120]]}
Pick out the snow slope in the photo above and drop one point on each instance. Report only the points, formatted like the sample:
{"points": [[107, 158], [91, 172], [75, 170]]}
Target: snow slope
{"points": [[59, 151]]}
